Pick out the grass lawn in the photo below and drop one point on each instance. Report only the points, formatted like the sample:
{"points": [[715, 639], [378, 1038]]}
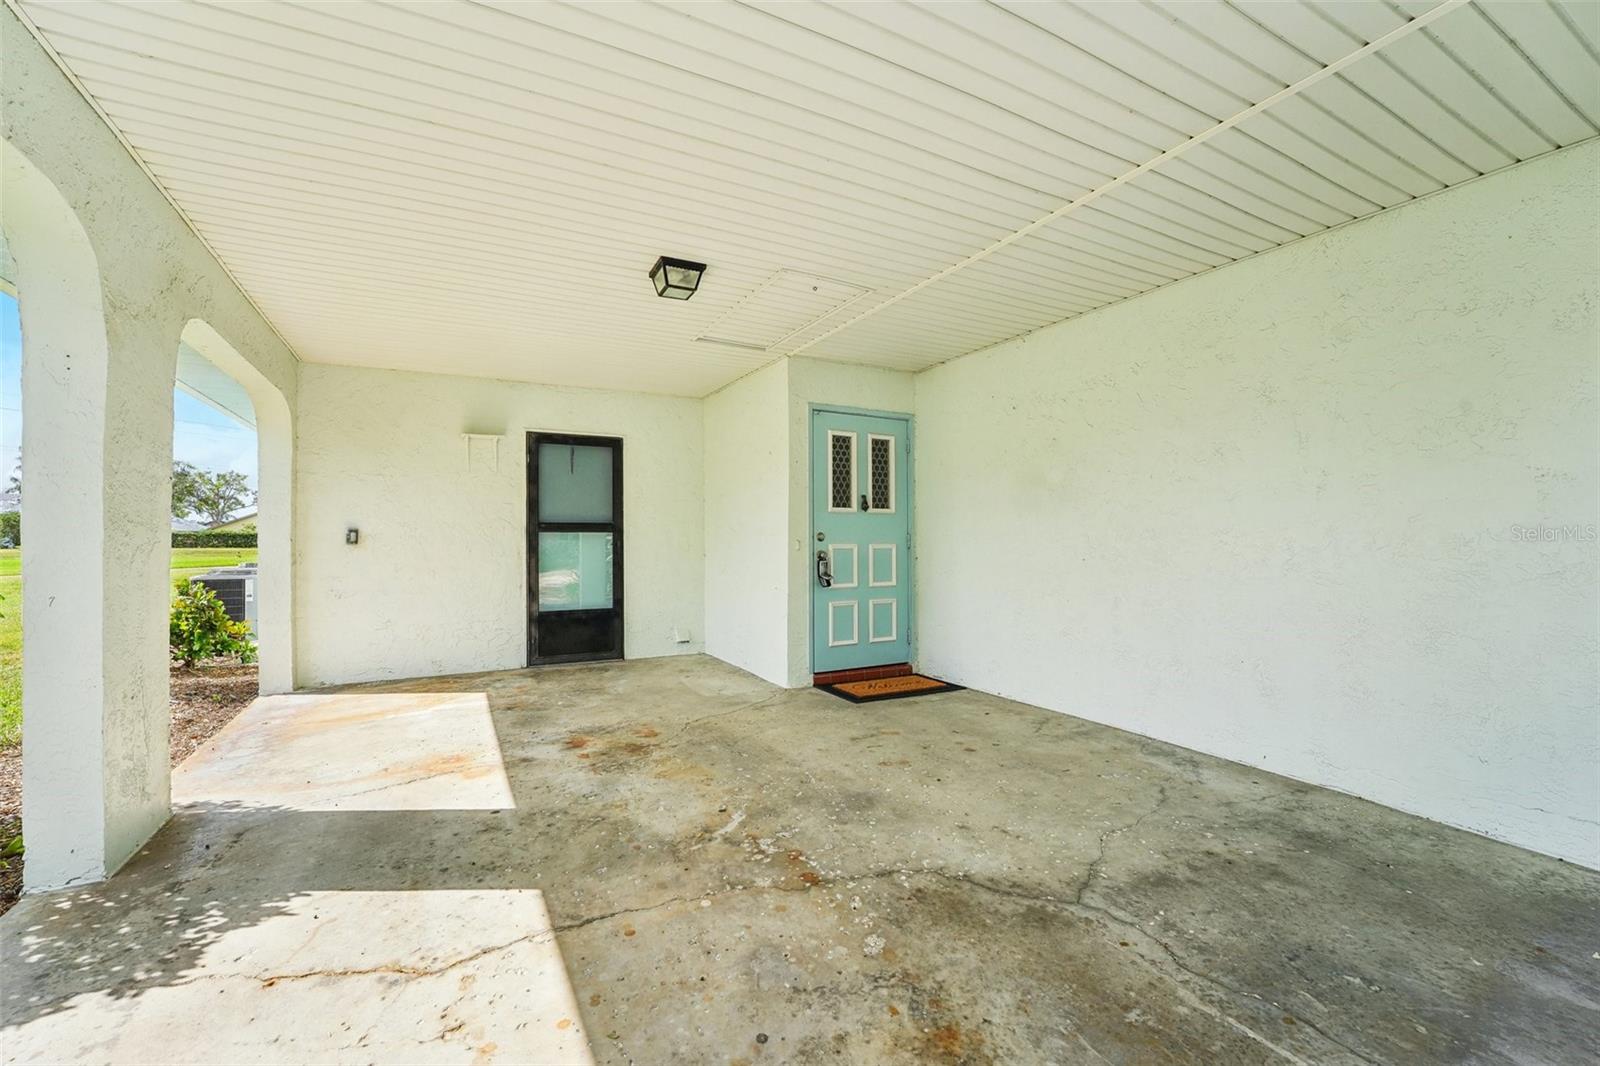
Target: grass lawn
{"points": [[185, 563], [190, 561], [10, 650]]}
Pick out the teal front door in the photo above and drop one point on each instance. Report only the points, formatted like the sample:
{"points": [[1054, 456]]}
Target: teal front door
{"points": [[861, 540]]}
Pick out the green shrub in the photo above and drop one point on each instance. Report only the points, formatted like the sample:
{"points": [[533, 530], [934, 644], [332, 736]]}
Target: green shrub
{"points": [[13, 849], [11, 528], [215, 538], [201, 628]]}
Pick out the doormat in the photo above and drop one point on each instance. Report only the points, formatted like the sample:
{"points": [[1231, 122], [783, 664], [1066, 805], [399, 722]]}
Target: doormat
{"points": [[889, 688]]}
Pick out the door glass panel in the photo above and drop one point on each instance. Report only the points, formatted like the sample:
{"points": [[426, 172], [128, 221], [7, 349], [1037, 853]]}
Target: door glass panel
{"points": [[842, 471], [574, 483], [880, 473], [574, 569]]}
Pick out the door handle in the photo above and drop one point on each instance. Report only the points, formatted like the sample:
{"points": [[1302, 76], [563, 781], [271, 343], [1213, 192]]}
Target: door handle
{"points": [[864, 501], [824, 571]]}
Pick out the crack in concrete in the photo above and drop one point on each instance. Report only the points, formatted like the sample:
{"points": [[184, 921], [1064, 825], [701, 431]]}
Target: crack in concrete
{"points": [[1093, 911], [1093, 870], [1090, 1048], [1218, 984], [409, 972], [592, 919], [762, 702], [1167, 949], [567, 927], [1078, 903], [403, 782], [1074, 904], [882, 872]]}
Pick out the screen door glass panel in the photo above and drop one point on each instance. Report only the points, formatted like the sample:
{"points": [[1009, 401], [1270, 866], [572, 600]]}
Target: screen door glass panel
{"points": [[574, 483], [575, 569]]}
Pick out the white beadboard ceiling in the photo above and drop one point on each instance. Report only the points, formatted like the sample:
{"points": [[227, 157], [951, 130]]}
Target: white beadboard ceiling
{"points": [[480, 188]]}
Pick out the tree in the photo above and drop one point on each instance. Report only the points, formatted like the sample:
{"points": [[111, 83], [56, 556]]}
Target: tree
{"points": [[184, 476], [218, 494], [11, 521], [209, 494]]}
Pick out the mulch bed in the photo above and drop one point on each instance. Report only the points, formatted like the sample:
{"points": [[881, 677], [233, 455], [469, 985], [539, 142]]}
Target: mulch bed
{"points": [[203, 701], [11, 876]]}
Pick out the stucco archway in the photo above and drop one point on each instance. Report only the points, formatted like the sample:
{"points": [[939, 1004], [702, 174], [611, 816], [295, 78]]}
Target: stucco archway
{"points": [[64, 389], [274, 521]]}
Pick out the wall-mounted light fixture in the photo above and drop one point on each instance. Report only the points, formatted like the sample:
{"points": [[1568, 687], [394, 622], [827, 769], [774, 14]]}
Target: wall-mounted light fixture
{"points": [[676, 279]]}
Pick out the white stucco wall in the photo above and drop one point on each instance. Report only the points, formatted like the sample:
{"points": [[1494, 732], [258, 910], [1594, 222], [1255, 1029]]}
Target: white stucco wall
{"points": [[1273, 512], [758, 507], [438, 582], [155, 277], [747, 523]]}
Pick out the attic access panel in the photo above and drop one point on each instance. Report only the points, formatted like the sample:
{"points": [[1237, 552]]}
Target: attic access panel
{"points": [[782, 306]]}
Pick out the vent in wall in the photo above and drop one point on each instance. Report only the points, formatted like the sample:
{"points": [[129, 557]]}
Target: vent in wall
{"points": [[785, 304]]}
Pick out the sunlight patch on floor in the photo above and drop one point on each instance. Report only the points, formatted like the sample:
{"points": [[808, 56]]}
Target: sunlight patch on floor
{"points": [[443, 976], [357, 752]]}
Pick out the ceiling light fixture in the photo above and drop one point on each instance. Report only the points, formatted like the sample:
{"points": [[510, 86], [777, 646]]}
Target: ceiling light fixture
{"points": [[676, 279]]}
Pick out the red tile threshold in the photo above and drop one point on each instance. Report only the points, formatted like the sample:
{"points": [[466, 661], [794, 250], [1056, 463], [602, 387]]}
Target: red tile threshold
{"points": [[862, 673]]}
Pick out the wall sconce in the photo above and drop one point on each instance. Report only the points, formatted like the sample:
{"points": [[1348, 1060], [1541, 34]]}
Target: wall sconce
{"points": [[676, 279]]}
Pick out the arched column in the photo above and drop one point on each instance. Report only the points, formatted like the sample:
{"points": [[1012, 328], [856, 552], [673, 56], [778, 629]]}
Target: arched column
{"points": [[67, 756], [274, 510]]}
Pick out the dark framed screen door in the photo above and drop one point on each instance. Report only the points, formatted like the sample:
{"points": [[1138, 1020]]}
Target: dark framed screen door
{"points": [[574, 548]]}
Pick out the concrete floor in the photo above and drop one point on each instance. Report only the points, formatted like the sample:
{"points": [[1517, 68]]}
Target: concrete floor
{"points": [[738, 874]]}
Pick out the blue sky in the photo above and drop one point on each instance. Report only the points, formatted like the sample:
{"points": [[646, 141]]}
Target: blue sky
{"points": [[201, 435], [211, 440], [10, 387]]}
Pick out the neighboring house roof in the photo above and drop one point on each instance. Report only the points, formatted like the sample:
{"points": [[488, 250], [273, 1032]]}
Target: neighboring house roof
{"points": [[187, 525], [237, 522]]}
